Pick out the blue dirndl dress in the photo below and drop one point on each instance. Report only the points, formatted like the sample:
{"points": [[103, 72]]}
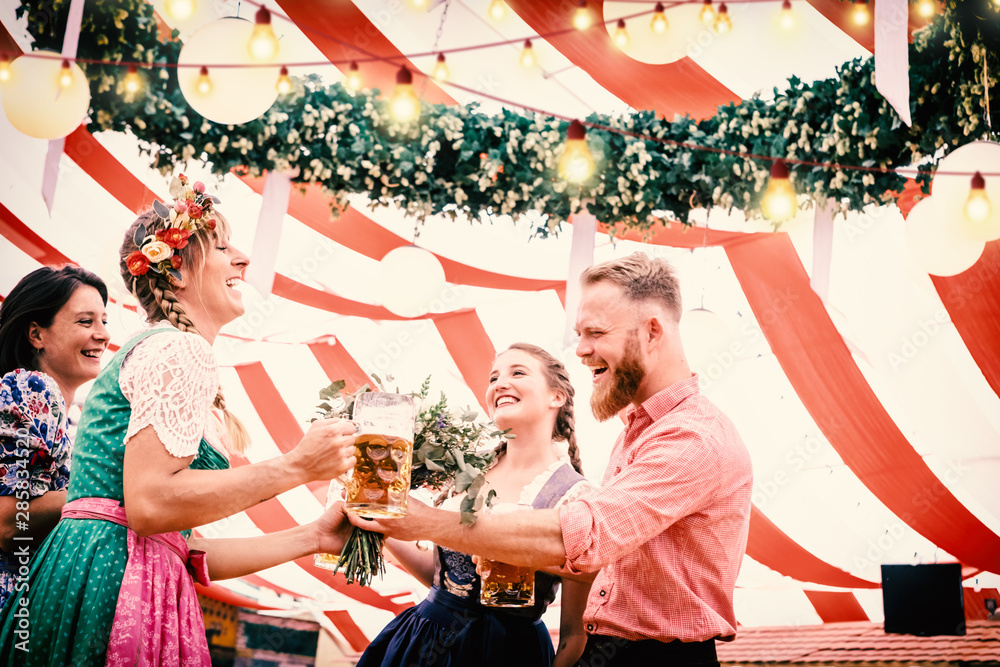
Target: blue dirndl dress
{"points": [[449, 628]]}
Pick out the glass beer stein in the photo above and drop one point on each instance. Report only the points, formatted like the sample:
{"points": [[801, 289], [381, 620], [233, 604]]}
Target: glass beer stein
{"points": [[505, 585], [383, 446]]}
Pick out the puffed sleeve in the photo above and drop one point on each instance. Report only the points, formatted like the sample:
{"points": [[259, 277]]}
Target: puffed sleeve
{"points": [[171, 380], [34, 445]]}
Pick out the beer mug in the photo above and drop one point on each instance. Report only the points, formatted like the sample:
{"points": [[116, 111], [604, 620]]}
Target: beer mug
{"points": [[505, 585], [383, 447]]}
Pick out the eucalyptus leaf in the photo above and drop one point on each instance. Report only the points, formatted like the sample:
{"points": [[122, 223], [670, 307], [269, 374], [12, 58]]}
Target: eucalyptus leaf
{"points": [[161, 209], [140, 235]]}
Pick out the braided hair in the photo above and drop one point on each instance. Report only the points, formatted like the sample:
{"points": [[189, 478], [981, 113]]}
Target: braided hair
{"points": [[156, 296], [558, 379]]}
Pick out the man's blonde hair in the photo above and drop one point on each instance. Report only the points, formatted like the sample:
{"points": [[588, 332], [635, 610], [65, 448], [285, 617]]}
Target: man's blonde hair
{"points": [[641, 278]]}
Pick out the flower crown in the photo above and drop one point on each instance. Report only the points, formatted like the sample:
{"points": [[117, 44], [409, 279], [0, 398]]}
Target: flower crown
{"points": [[191, 212]]}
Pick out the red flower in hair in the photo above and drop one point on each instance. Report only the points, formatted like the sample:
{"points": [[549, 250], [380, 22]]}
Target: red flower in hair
{"points": [[137, 263], [175, 261], [194, 210], [174, 237], [210, 223]]}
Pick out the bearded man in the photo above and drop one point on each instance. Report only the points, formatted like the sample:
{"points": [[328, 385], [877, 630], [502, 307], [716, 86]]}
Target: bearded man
{"points": [[666, 531]]}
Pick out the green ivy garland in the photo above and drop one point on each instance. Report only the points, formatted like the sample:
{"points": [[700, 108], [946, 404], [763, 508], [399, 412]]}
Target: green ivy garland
{"points": [[456, 159]]}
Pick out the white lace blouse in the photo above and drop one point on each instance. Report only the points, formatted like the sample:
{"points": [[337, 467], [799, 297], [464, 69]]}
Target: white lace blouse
{"points": [[171, 380]]}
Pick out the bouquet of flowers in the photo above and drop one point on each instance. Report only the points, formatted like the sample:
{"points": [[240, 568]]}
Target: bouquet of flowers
{"points": [[448, 457]]}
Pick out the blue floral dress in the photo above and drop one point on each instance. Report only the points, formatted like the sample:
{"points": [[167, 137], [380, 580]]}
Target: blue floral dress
{"points": [[34, 452]]}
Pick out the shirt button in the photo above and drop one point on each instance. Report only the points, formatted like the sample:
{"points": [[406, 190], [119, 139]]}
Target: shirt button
{"points": [[590, 627], [603, 593], [618, 470]]}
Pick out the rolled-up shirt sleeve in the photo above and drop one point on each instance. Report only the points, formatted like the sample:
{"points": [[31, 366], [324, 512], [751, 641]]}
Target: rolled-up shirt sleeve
{"points": [[659, 481]]}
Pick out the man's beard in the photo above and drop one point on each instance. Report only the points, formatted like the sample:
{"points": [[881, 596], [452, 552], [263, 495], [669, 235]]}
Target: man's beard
{"points": [[612, 397]]}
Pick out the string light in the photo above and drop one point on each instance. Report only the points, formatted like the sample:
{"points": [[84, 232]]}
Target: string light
{"points": [[132, 81], [581, 17], [441, 71], [528, 59], [204, 84], [180, 10], [659, 24], [353, 77], [576, 164], [404, 105], [926, 8], [498, 10], [419, 5], [723, 23], [284, 84], [263, 45], [860, 14], [978, 208], [778, 203], [65, 75], [707, 14], [4, 68], [621, 34], [787, 19]]}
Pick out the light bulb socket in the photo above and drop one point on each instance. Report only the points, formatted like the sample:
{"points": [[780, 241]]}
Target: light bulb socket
{"points": [[779, 169], [404, 77], [621, 24], [723, 9], [440, 58], [65, 64], [353, 67], [659, 8], [978, 182], [203, 71], [581, 4], [786, 5], [263, 16], [575, 131], [707, 3], [284, 71], [527, 43]]}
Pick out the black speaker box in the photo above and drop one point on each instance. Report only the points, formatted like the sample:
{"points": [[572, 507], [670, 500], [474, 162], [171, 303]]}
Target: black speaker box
{"points": [[923, 600]]}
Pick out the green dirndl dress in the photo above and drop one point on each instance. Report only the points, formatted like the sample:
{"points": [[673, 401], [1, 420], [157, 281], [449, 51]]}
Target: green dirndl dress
{"points": [[72, 588]]}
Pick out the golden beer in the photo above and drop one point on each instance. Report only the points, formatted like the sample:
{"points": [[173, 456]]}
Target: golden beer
{"points": [[381, 479], [326, 561], [506, 585]]}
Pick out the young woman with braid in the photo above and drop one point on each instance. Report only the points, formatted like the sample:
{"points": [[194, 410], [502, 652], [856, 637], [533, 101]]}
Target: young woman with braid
{"points": [[530, 394], [113, 583]]}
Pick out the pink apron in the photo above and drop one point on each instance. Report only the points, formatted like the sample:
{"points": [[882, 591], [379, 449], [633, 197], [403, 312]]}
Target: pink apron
{"points": [[158, 620]]}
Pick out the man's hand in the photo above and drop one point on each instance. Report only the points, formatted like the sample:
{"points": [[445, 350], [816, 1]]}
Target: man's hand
{"points": [[416, 525]]}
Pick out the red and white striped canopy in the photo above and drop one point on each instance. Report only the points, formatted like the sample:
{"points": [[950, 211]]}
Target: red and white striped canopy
{"points": [[866, 390]]}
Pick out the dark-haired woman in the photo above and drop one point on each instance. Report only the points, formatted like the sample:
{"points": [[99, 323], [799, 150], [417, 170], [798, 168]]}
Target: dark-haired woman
{"points": [[52, 336]]}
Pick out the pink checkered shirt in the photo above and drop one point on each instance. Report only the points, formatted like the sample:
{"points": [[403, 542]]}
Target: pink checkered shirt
{"points": [[668, 525]]}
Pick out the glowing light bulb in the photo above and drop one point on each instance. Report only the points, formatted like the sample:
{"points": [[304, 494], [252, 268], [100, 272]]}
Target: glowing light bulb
{"points": [[926, 8], [263, 44], [180, 10], [204, 84], [404, 105], [860, 14], [419, 5], [779, 203], [528, 59], [707, 14], [576, 164], [659, 24], [978, 208], [723, 23], [353, 77], [581, 17], [65, 75], [4, 68], [787, 19], [498, 10], [441, 71], [621, 34], [284, 84], [132, 81]]}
